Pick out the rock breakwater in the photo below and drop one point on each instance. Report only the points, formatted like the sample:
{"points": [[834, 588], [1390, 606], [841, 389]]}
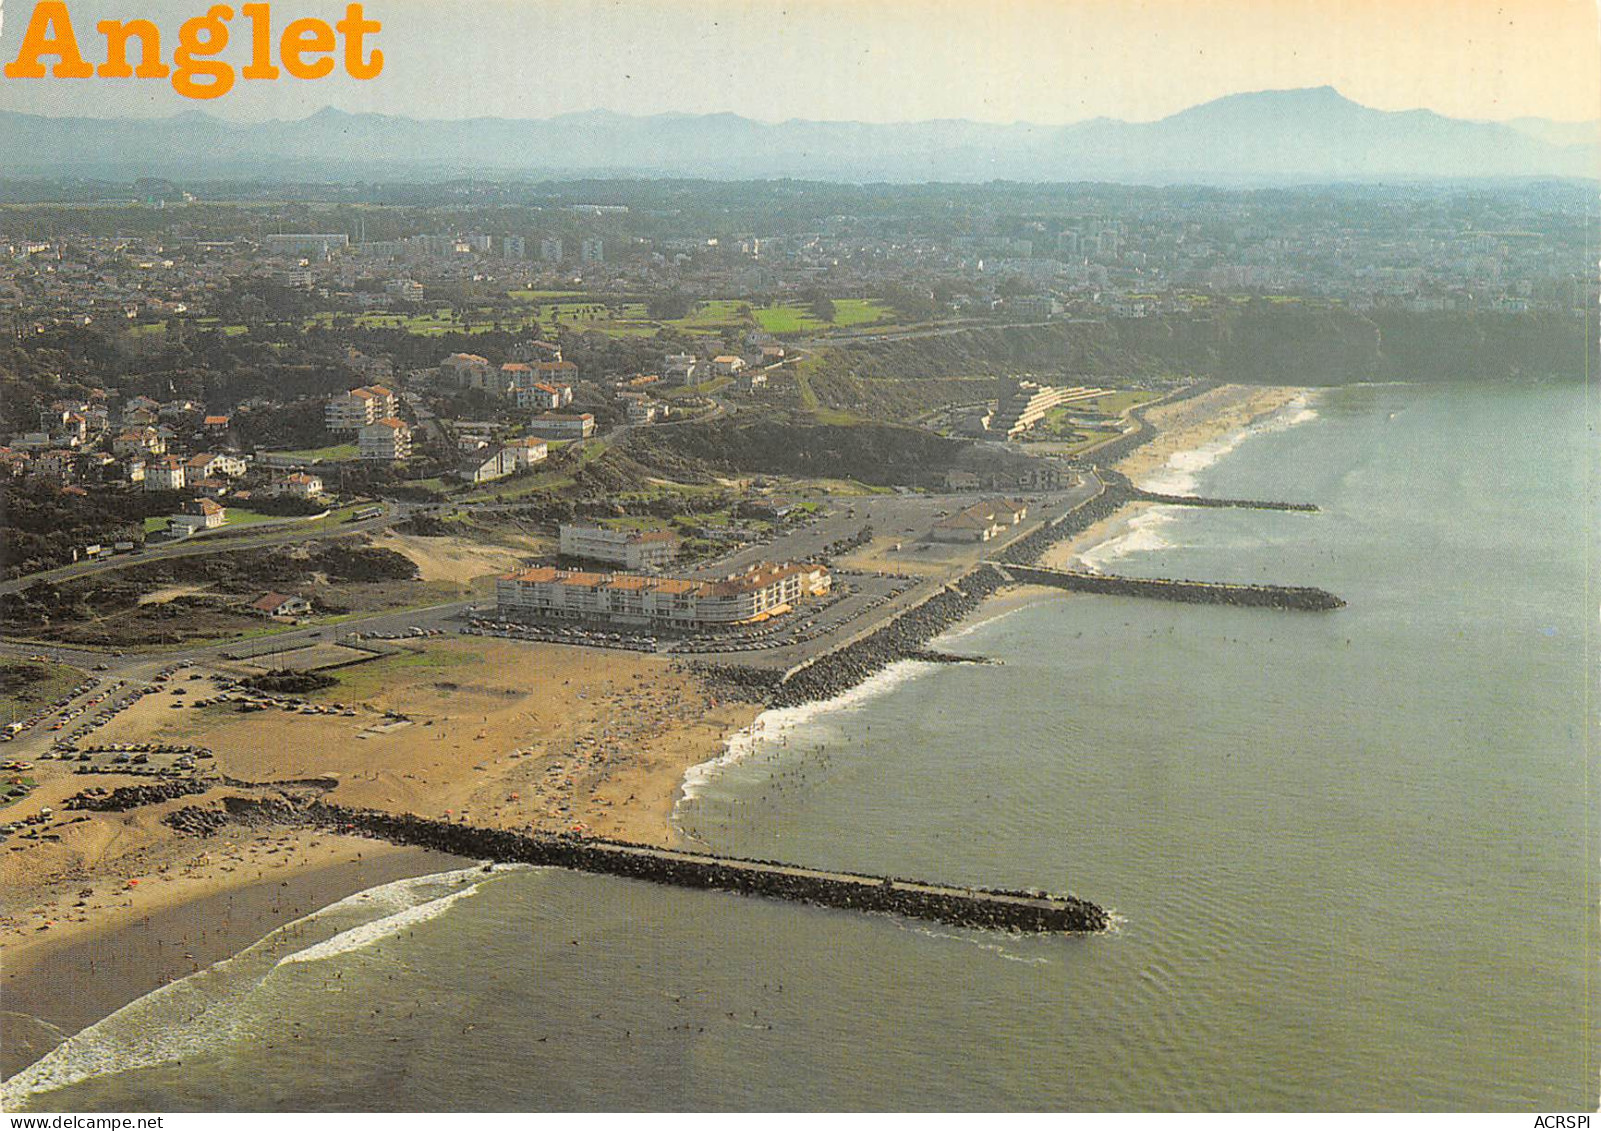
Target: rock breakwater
{"points": [[983, 908], [1298, 597]]}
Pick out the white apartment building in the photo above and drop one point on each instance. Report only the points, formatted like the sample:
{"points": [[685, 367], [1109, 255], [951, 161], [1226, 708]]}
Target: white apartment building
{"points": [[543, 395], [631, 549], [358, 408], [164, 474], [559, 426], [387, 439], [763, 591]]}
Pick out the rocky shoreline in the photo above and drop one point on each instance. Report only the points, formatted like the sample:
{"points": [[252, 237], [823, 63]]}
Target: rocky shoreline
{"points": [[907, 636]]}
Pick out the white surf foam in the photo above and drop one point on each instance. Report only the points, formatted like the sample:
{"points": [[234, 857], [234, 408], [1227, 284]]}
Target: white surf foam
{"points": [[977, 940], [402, 894], [778, 723], [196, 1014], [1142, 534], [1178, 476]]}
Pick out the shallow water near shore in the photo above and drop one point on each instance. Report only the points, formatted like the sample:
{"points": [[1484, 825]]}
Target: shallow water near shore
{"points": [[1347, 851]]}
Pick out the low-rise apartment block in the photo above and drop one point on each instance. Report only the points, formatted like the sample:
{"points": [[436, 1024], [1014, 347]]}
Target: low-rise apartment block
{"points": [[763, 591], [631, 549], [387, 439], [563, 426]]}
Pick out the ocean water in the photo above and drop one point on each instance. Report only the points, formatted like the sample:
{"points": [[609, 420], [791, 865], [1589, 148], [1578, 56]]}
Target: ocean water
{"points": [[1349, 853]]}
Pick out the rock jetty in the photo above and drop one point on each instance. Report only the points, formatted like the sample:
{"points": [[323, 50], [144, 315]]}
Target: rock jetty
{"points": [[836, 672], [983, 908], [1298, 597]]}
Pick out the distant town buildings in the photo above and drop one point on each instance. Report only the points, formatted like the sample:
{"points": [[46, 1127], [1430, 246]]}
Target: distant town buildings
{"points": [[313, 246]]}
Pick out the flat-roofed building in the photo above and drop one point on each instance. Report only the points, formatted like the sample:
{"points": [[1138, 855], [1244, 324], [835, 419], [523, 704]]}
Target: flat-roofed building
{"points": [[631, 549], [319, 245], [563, 426], [762, 591]]}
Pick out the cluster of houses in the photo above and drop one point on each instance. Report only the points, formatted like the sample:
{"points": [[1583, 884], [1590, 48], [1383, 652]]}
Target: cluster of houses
{"points": [[159, 446], [534, 377]]}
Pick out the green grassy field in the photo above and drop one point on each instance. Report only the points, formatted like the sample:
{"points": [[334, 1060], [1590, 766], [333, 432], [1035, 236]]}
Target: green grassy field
{"points": [[576, 310], [788, 318], [715, 314], [1112, 403], [363, 681], [244, 516], [857, 311]]}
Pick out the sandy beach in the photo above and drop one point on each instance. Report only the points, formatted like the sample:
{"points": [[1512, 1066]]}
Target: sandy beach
{"points": [[499, 733], [1181, 427], [519, 735]]}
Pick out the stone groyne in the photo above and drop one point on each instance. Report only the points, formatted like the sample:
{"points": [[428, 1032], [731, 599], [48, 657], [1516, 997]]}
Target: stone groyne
{"points": [[1192, 592], [1018, 911], [904, 637], [1139, 495]]}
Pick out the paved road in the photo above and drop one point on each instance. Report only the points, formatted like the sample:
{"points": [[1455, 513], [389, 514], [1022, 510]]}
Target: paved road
{"points": [[241, 538]]}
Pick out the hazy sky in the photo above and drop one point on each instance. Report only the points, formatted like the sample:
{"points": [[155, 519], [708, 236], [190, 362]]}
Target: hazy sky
{"points": [[1047, 61]]}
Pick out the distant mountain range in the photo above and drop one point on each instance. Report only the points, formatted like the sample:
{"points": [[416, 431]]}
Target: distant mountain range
{"points": [[1269, 137]]}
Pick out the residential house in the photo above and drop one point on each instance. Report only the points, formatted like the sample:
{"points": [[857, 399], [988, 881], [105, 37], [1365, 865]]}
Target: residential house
{"points": [[196, 515], [164, 473], [280, 605], [300, 485]]}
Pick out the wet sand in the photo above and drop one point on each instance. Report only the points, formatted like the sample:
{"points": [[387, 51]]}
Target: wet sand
{"points": [[54, 992]]}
